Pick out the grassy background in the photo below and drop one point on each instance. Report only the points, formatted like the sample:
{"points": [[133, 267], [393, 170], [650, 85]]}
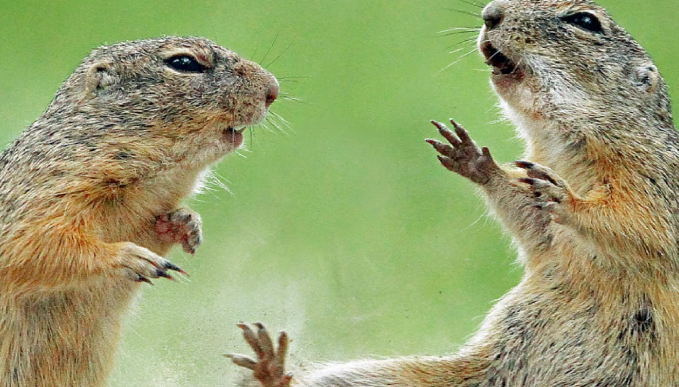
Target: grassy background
{"points": [[345, 231]]}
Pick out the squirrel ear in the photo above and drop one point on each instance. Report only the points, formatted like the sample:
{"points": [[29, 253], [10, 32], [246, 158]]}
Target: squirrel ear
{"points": [[99, 77], [646, 77]]}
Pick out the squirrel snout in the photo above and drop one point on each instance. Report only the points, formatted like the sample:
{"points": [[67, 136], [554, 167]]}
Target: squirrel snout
{"points": [[272, 92], [493, 14]]}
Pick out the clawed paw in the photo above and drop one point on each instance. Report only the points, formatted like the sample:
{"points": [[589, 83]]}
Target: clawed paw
{"points": [[181, 226], [269, 368], [141, 264], [463, 156], [550, 192]]}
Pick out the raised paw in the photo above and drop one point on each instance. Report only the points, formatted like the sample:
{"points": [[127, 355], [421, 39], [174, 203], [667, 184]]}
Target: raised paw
{"points": [[269, 368], [463, 156], [181, 226], [550, 192], [141, 265]]}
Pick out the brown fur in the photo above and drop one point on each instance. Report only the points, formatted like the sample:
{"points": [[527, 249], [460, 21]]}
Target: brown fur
{"points": [[124, 140], [595, 217]]}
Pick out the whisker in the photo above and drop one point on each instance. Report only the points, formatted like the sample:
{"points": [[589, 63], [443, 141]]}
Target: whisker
{"points": [[460, 30], [458, 33], [281, 54], [293, 79], [458, 50], [517, 66], [254, 53], [288, 97], [270, 48], [265, 126], [283, 120], [473, 3], [215, 179], [492, 56], [284, 123], [288, 81], [252, 133], [458, 60], [218, 180], [473, 39], [276, 125], [476, 15], [296, 77]]}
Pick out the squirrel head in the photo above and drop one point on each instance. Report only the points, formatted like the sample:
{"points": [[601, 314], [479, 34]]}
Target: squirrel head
{"points": [[188, 96], [556, 59]]}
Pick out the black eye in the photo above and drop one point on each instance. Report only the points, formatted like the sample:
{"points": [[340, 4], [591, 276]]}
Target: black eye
{"points": [[185, 63], [584, 20]]}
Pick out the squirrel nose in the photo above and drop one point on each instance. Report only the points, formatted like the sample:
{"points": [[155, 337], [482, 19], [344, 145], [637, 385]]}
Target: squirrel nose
{"points": [[272, 93], [493, 14]]}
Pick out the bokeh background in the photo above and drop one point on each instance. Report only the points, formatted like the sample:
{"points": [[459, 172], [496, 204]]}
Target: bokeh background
{"points": [[343, 230]]}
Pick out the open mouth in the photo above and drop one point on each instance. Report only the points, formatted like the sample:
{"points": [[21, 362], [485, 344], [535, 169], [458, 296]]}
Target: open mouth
{"points": [[494, 57], [234, 136]]}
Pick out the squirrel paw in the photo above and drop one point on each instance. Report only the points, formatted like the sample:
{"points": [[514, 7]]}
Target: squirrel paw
{"points": [[463, 156], [269, 368], [141, 264], [181, 226], [550, 192]]}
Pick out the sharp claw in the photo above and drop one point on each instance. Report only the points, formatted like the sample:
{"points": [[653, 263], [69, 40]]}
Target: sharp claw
{"points": [[165, 275], [438, 124], [542, 175], [172, 266], [242, 361], [524, 164], [141, 278]]}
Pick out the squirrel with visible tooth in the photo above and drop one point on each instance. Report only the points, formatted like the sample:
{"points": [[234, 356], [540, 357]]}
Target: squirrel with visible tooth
{"points": [[594, 213], [90, 196]]}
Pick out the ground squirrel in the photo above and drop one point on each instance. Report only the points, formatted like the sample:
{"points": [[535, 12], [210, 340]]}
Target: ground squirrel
{"points": [[90, 196], [594, 215]]}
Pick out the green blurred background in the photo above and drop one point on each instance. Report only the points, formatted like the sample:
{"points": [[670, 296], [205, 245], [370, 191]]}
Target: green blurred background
{"points": [[345, 231]]}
